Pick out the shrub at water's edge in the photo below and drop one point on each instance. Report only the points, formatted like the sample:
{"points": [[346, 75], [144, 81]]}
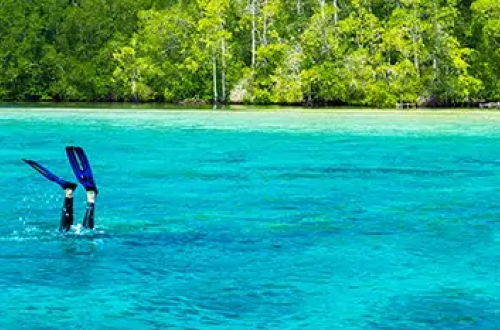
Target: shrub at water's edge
{"points": [[343, 52]]}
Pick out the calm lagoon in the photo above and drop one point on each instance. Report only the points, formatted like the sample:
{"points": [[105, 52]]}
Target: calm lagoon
{"points": [[254, 220]]}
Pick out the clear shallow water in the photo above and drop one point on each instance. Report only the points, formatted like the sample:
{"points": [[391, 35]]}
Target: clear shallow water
{"points": [[218, 220]]}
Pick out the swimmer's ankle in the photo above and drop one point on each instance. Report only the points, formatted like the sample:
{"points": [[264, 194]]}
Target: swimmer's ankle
{"points": [[91, 195], [68, 192]]}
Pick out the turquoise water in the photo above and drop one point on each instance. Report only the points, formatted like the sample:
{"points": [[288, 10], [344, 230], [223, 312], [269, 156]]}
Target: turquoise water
{"points": [[221, 220]]}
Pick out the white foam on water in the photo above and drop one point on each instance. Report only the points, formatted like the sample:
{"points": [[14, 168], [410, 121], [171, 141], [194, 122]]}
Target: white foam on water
{"points": [[78, 229], [34, 233]]}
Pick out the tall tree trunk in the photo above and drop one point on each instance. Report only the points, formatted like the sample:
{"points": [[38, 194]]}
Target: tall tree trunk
{"points": [[214, 62], [336, 15], [416, 60], [437, 40], [135, 99], [135, 76], [322, 6], [264, 27], [224, 69], [370, 10], [299, 7], [253, 33]]}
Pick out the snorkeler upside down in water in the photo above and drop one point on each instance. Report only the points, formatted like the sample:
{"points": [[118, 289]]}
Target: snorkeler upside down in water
{"points": [[83, 172]]}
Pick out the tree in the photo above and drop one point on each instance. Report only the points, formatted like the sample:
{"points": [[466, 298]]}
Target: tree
{"points": [[486, 25], [212, 28]]}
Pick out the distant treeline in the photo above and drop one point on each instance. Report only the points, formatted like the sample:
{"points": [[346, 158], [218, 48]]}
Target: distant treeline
{"points": [[358, 52]]}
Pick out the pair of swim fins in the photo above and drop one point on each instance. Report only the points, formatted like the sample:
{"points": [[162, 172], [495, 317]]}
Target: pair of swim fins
{"points": [[83, 172], [79, 164]]}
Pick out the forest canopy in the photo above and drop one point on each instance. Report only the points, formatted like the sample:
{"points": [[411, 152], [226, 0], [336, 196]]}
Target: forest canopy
{"points": [[358, 52]]}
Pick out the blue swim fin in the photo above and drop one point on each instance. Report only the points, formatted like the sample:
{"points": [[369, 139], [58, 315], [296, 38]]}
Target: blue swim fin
{"points": [[50, 176], [81, 167]]}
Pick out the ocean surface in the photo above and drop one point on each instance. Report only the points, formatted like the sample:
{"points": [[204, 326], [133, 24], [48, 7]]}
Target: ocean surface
{"points": [[253, 220]]}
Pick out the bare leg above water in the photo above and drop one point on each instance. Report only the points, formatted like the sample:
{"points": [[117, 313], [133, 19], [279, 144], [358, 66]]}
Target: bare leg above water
{"points": [[88, 220], [69, 188], [67, 211], [83, 172]]}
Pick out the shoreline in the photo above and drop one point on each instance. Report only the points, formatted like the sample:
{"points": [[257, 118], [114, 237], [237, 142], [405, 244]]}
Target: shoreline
{"points": [[242, 110], [345, 121], [236, 107]]}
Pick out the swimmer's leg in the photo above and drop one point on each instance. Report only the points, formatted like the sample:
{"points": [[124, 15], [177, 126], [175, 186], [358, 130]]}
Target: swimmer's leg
{"points": [[83, 172], [69, 188], [67, 212], [88, 220]]}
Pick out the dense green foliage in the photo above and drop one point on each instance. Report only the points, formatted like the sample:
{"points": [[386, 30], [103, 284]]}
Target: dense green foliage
{"points": [[366, 52]]}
